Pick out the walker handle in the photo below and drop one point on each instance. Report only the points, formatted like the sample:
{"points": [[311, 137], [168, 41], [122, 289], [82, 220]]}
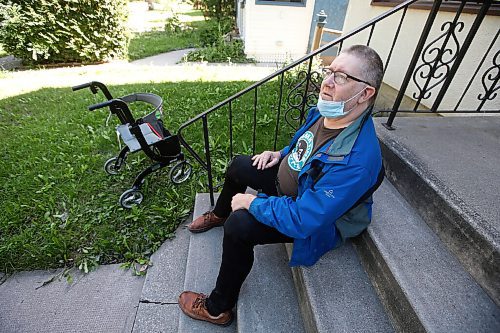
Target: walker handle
{"points": [[81, 86], [101, 105]]}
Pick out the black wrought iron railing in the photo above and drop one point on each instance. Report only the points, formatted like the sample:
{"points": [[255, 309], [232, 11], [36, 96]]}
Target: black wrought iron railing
{"points": [[279, 103]]}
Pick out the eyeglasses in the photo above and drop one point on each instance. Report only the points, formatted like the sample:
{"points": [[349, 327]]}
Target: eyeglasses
{"points": [[340, 78]]}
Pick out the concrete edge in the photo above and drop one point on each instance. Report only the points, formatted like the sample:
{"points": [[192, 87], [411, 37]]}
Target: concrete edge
{"points": [[394, 300], [446, 215], [308, 317]]}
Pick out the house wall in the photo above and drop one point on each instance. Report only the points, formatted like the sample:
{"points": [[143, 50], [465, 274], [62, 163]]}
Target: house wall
{"points": [[361, 11], [275, 32], [335, 9]]}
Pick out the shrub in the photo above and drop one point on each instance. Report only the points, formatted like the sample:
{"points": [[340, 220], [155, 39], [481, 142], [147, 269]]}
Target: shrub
{"points": [[218, 45], [214, 31], [218, 9], [222, 51], [174, 25], [53, 31]]}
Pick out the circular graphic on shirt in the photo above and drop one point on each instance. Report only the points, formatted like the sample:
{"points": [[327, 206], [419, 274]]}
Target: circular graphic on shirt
{"points": [[301, 152]]}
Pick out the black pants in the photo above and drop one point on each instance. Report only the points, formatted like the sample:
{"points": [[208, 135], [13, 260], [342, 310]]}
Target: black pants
{"points": [[241, 231]]}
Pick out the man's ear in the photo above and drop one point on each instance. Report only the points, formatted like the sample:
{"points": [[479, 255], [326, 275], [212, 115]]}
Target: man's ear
{"points": [[367, 94]]}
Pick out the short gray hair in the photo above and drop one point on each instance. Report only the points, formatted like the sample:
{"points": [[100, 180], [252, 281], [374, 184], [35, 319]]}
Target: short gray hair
{"points": [[373, 69]]}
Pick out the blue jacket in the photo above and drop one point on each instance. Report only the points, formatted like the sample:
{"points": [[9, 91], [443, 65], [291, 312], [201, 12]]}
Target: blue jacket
{"points": [[317, 217]]}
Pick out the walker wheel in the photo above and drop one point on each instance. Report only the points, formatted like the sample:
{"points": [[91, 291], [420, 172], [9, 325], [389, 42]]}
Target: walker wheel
{"points": [[131, 198], [180, 172], [110, 167]]}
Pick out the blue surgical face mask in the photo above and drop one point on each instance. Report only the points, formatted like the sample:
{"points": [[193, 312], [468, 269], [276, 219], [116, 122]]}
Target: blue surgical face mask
{"points": [[334, 109]]}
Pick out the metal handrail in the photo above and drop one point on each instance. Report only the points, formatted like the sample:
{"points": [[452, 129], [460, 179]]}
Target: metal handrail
{"points": [[308, 80], [299, 61]]}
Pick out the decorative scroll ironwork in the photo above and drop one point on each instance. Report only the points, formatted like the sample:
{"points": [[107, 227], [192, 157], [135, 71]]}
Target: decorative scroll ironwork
{"points": [[491, 76], [304, 92], [437, 60]]}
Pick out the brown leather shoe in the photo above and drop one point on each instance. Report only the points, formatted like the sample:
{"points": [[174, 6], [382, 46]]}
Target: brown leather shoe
{"points": [[194, 305], [206, 222]]}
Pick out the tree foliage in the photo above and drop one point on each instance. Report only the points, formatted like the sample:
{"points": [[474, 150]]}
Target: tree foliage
{"points": [[218, 9], [55, 31]]}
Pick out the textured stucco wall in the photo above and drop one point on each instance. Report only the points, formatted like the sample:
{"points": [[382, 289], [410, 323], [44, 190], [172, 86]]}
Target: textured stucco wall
{"points": [[360, 11]]}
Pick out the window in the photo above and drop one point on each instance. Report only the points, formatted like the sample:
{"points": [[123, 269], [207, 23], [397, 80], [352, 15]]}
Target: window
{"points": [[300, 3], [446, 6]]}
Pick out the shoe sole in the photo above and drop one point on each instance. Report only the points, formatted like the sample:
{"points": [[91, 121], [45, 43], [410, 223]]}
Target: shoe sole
{"points": [[197, 231], [211, 322]]}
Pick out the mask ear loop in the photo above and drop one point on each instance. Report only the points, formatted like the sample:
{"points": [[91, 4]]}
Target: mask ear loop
{"points": [[346, 112]]}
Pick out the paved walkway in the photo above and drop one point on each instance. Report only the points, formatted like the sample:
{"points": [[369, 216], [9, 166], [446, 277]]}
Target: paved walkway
{"points": [[166, 67], [102, 301]]}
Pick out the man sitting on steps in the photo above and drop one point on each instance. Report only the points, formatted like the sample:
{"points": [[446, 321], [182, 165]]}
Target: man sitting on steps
{"points": [[316, 192]]}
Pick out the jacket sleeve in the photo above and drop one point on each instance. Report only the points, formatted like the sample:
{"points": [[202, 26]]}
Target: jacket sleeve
{"points": [[334, 193]]}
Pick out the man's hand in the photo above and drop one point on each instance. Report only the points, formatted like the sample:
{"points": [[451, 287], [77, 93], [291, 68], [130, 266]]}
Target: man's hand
{"points": [[266, 159], [242, 201]]}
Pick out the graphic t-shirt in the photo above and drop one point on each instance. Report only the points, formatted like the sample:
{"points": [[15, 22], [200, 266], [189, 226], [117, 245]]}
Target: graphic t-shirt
{"points": [[307, 145]]}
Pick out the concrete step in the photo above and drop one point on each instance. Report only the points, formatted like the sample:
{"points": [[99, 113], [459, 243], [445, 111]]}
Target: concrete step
{"points": [[158, 309], [336, 295], [447, 169], [268, 302], [202, 268], [420, 282]]}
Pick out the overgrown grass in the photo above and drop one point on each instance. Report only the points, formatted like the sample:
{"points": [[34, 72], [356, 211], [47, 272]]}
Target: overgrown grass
{"points": [[60, 209]]}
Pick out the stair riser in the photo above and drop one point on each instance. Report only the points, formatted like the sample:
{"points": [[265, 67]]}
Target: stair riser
{"points": [[449, 221], [306, 309], [304, 304], [401, 313]]}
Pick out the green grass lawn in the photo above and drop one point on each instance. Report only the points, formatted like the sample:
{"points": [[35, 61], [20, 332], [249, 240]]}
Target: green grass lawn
{"points": [[149, 43], [59, 207], [146, 44]]}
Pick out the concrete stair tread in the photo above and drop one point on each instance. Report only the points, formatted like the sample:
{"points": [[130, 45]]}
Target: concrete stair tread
{"points": [[268, 301], [336, 295], [202, 268], [443, 295], [165, 278], [446, 169], [158, 309]]}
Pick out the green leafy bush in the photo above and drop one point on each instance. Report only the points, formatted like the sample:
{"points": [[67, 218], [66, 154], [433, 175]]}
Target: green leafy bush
{"points": [[54, 31], [218, 45], [218, 9], [221, 51], [214, 31], [174, 25]]}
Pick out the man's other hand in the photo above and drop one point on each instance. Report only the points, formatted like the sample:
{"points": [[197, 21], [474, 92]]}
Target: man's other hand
{"points": [[266, 159], [242, 201]]}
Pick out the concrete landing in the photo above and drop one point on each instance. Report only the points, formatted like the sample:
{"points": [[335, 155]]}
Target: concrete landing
{"points": [[447, 169], [463, 152]]}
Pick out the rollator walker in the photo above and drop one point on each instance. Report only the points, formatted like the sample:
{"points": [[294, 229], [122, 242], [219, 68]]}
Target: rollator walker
{"points": [[147, 134]]}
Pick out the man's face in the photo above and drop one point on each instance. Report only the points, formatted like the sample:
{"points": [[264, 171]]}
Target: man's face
{"points": [[348, 64]]}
